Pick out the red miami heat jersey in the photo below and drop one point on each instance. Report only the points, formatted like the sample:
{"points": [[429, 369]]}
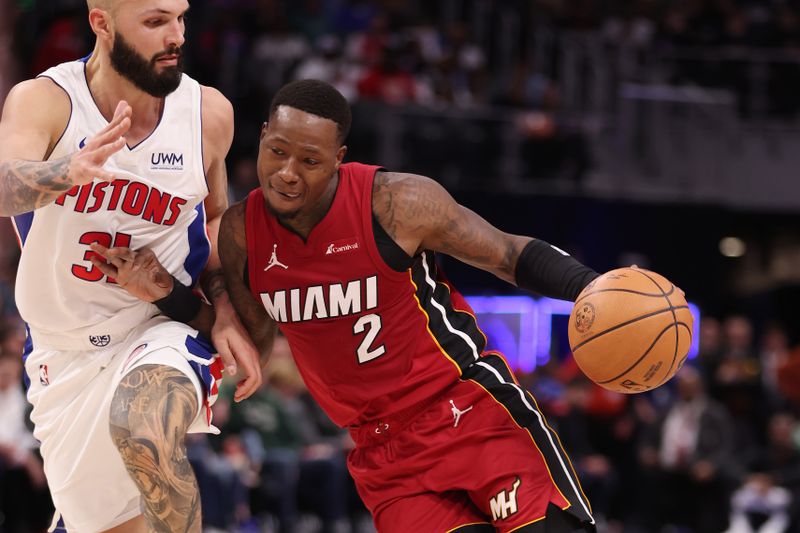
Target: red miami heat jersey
{"points": [[369, 341]]}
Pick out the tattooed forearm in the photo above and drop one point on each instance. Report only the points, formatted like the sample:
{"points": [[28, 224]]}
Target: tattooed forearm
{"points": [[151, 411], [213, 282], [27, 185]]}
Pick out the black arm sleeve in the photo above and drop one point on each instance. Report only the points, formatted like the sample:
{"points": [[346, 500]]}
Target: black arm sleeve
{"points": [[546, 270]]}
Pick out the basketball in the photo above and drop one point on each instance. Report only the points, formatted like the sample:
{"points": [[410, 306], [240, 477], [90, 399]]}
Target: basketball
{"points": [[630, 330]]}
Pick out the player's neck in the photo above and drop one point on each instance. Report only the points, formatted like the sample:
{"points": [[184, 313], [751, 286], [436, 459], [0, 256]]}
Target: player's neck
{"points": [[108, 87], [303, 222]]}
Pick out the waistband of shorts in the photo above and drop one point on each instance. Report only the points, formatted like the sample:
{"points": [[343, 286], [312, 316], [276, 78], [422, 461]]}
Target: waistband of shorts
{"points": [[60, 341], [382, 429]]}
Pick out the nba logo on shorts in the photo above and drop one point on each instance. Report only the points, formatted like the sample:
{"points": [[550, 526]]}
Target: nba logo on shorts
{"points": [[44, 379]]}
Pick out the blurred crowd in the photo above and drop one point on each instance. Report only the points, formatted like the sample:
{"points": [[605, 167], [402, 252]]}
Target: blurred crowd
{"points": [[461, 71], [717, 449]]}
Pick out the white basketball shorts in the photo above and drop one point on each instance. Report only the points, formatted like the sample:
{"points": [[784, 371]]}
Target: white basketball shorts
{"points": [[71, 394]]}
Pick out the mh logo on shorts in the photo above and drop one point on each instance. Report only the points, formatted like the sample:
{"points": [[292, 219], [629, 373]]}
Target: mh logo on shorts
{"points": [[504, 503], [100, 340], [44, 377]]}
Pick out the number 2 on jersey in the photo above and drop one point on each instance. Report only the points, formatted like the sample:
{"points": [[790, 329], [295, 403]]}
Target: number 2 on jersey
{"points": [[92, 273], [372, 325]]}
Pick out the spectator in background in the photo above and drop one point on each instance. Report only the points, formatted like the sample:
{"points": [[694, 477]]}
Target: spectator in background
{"points": [[386, 82], [769, 499], [24, 499], [598, 476], [297, 466], [709, 352], [687, 461], [773, 354], [736, 382], [327, 63]]}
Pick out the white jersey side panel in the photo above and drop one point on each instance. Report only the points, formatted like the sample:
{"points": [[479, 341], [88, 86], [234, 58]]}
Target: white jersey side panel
{"points": [[156, 200]]}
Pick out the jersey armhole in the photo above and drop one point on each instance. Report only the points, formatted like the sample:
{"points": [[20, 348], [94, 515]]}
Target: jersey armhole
{"points": [[392, 254], [69, 119]]}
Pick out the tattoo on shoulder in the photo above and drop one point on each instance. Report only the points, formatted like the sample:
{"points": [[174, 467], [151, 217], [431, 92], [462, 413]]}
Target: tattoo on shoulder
{"points": [[152, 408], [404, 202], [28, 185]]}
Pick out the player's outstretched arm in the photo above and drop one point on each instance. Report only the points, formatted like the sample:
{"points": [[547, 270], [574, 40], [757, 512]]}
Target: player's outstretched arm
{"points": [[233, 253], [228, 334], [419, 214], [35, 115]]}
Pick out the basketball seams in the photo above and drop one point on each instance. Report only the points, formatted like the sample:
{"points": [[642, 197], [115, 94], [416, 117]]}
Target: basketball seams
{"points": [[643, 356], [631, 291], [674, 318], [677, 342], [629, 322]]}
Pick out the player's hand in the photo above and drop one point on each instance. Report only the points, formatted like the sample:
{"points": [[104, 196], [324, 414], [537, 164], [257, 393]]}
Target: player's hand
{"points": [[87, 164], [236, 349], [138, 272]]}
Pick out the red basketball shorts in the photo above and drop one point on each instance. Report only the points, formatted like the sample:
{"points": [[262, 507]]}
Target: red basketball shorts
{"points": [[479, 453]]}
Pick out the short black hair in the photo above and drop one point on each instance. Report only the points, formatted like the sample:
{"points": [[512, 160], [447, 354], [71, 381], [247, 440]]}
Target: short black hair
{"points": [[318, 98]]}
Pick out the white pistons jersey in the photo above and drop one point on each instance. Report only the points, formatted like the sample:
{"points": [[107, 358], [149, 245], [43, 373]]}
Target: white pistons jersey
{"points": [[155, 200]]}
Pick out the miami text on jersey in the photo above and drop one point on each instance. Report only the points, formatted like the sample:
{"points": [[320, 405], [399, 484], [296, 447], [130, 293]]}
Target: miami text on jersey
{"points": [[322, 301]]}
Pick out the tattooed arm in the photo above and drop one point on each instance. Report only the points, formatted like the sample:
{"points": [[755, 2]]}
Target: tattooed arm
{"points": [[233, 251], [151, 411], [419, 214], [35, 115]]}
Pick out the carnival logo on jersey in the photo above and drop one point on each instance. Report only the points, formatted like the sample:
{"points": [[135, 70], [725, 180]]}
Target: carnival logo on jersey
{"points": [[166, 161], [273, 260], [344, 245], [100, 340], [44, 377]]}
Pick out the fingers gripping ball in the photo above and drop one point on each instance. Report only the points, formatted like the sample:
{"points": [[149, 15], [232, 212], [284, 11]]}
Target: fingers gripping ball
{"points": [[630, 330]]}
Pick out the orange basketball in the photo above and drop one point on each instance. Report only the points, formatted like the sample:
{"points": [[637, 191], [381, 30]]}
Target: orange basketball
{"points": [[630, 330]]}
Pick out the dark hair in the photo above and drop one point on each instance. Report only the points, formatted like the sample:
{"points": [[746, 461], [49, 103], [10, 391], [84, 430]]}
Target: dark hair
{"points": [[318, 98]]}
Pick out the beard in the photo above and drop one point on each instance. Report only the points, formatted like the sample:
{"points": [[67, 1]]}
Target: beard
{"points": [[142, 72]]}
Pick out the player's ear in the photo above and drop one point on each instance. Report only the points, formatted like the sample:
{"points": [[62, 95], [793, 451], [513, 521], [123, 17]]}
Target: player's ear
{"points": [[340, 153], [263, 130], [100, 22]]}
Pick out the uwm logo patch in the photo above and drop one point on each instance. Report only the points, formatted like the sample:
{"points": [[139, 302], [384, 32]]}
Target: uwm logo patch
{"points": [[504, 503], [166, 161]]}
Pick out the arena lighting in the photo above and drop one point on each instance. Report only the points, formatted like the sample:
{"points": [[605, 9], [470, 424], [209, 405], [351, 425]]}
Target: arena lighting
{"points": [[523, 327], [732, 247]]}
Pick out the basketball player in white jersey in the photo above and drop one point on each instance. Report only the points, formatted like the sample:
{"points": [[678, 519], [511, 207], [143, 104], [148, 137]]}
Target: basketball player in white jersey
{"points": [[121, 149]]}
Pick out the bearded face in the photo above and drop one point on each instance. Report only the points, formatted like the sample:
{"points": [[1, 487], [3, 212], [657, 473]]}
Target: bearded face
{"points": [[146, 74]]}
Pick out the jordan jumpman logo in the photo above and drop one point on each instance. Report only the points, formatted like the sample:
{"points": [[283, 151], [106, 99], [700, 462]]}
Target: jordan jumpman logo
{"points": [[273, 260], [457, 413]]}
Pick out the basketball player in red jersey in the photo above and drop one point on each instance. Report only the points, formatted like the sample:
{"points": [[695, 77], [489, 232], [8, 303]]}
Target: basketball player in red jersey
{"points": [[340, 256]]}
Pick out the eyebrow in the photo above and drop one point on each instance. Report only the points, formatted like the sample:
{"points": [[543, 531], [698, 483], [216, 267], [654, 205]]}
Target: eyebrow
{"points": [[159, 11], [306, 147]]}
